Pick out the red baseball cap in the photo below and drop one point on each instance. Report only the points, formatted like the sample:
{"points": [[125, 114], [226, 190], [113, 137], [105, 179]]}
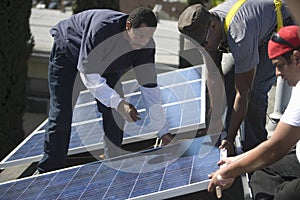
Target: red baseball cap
{"points": [[278, 47]]}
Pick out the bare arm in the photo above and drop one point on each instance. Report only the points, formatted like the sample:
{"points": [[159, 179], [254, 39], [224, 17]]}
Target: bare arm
{"points": [[243, 86], [268, 152]]}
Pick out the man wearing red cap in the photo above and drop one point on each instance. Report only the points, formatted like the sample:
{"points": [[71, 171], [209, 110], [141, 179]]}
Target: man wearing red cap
{"points": [[281, 179]]}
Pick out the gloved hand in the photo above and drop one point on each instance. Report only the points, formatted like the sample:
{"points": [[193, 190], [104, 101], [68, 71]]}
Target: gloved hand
{"points": [[128, 111]]}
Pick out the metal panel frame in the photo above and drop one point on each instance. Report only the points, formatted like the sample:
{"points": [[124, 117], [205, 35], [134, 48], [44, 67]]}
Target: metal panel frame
{"points": [[73, 151]]}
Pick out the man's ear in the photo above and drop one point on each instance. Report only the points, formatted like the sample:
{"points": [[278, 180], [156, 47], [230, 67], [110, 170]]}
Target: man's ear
{"points": [[212, 24], [296, 54], [128, 25]]}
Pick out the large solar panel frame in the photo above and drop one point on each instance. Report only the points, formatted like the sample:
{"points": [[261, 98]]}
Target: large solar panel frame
{"points": [[130, 89], [156, 174]]}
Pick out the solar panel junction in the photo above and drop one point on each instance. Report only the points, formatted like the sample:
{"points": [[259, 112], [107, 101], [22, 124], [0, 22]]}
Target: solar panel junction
{"points": [[159, 173], [183, 96]]}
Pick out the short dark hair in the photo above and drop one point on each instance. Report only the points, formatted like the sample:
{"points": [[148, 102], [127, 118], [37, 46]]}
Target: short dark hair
{"points": [[287, 56], [142, 15]]}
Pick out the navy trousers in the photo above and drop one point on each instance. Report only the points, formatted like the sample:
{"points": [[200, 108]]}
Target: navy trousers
{"points": [[61, 77], [113, 123]]}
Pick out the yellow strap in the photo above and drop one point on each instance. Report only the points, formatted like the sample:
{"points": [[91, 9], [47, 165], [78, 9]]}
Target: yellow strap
{"points": [[239, 3], [278, 5], [232, 12]]}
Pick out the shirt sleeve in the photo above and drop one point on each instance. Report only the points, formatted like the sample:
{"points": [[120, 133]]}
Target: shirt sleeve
{"points": [[291, 114], [153, 103], [243, 44], [100, 90]]}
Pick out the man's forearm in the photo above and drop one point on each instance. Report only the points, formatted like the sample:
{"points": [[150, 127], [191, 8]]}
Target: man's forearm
{"points": [[250, 161], [237, 116]]}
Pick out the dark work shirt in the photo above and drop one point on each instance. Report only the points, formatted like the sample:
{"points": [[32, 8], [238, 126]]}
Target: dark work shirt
{"points": [[94, 41]]}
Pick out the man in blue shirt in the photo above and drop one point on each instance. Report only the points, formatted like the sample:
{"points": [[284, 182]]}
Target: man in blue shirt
{"points": [[101, 45]]}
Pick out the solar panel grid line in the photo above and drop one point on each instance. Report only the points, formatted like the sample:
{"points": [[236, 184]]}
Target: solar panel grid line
{"points": [[160, 185], [38, 197], [137, 177], [133, 81], [4, 163], [165, 87], [40, 131], [135, 138], [64, 189], [174, 192], [190, 178], [93, 102], [132, 139], [77, 150], [23, 142], [174, 84], [74, 124], [95, 179], [32, 188], [164, 105], [141, 110], [113, 181], [81, 196]]}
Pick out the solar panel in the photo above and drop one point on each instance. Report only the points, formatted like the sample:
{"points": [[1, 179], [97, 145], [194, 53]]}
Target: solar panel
{"points": [[183, 95], [159, 173]]}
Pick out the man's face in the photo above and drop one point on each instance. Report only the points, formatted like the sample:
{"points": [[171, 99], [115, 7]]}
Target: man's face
{"points": [[288, 71], [213, 37], [139, 37]]}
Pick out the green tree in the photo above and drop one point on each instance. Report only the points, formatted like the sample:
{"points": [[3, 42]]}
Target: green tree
{"points": [[15, 48]]}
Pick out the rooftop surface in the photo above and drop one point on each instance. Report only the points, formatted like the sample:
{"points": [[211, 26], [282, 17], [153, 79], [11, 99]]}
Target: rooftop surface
{"points": [[166, 35]]}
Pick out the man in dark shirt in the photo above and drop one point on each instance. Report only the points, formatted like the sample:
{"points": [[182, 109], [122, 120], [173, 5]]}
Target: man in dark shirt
{"points": [[102, 45]]}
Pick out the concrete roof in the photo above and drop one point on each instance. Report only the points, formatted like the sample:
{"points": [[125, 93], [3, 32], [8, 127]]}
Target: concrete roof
{"points": [[41, 20]]}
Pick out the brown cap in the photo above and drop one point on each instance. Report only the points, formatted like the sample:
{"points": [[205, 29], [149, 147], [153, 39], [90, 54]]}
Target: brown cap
{"points": [[194, 21]]}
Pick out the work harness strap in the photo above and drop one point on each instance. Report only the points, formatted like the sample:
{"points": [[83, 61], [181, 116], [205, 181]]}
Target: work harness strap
{"points": [[278, 5], [232, 12], [239, 3]]}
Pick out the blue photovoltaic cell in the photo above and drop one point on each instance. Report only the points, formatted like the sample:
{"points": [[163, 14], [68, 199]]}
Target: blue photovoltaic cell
{"points": [[155, 173], [85, 113], [84, 97], [181, 93]]}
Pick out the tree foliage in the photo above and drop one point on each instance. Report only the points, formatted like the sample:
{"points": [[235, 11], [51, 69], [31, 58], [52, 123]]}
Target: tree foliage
{"points": [[15, 48]]}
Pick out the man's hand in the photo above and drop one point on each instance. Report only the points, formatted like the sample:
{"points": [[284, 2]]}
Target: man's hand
{"points": [[227, 145], [128, 111], [168, 139], [217, 180]]}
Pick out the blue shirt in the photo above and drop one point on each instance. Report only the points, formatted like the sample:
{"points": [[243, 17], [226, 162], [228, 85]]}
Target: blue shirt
{"points": [[251, 25]]}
